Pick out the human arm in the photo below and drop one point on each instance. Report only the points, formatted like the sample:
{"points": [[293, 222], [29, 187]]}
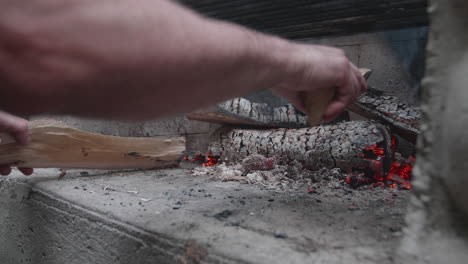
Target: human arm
{"points": [[146, 59]]}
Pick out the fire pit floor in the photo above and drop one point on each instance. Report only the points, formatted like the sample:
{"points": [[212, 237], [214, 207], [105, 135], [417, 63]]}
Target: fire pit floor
{"points": [[174, 216]]}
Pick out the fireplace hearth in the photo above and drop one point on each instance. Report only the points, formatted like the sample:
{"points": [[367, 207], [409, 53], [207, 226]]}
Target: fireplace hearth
{"points": [[365, 152]]}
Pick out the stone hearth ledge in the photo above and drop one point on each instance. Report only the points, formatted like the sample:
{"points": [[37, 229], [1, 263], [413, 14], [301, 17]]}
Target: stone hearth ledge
{"points": [[171, 216]]}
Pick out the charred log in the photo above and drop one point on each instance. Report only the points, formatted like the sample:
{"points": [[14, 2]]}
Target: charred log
{"points": [[240, 111], [335, 146], [402, 118]]}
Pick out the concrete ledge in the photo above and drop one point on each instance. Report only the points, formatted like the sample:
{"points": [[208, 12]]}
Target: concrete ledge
{"points": [[170, 216]]}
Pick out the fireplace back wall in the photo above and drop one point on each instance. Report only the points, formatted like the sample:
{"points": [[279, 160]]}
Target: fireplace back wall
{"points": [[386, 36]]}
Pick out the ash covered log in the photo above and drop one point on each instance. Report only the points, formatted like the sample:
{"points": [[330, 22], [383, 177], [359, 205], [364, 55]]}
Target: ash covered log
{"points": [[335, 146], [240, 111], [402, 118]]}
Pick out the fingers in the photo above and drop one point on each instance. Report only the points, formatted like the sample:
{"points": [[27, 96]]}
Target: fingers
{"points": [[319, 68], [6, 170], [298, 101], [349, 88], [346, 93], [333, 111], [26, 171], [362, 82], [16, 126], [20, 133], [294, 98]]}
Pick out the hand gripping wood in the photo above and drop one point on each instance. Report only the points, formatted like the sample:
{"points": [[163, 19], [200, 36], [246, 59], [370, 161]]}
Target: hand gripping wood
{"points": [[316, 102]]}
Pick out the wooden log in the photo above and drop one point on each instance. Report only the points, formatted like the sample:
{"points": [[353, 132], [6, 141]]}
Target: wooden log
{"points": [[335, 146], [56, 145], [240, 111], [402, 118]]}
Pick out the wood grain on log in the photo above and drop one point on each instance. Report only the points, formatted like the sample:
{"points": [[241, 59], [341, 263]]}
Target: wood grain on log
{"points": [[402, 118], [56, 145], [335, 146]]}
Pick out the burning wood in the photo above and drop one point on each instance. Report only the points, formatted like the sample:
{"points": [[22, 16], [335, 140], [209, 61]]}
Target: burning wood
{"points": [[362, 152], [402, 118], [240, 111], [399, 175], [336, 146], [207, 160]]}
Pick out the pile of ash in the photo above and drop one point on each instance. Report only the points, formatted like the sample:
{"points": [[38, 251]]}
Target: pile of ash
{"points": [[266, 172]]}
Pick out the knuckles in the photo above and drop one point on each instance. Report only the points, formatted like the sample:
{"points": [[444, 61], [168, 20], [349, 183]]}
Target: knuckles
{"points": [[342, 70], [21, 125]]}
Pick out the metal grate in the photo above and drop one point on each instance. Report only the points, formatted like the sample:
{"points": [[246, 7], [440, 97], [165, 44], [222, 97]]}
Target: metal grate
{"points": [[297, 19]]}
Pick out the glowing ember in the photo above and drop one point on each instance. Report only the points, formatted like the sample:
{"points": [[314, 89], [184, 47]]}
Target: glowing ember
{"points": [[211, 160], [377, 151], [205, 160], [399, 175], [198, 158], [394, 144]]}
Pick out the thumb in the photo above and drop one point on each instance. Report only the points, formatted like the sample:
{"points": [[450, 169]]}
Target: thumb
{"points": [[17, 127]]}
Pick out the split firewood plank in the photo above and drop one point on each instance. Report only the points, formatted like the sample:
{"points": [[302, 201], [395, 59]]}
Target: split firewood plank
{"points": [[403, 119], [335, 146], [54, 144]]}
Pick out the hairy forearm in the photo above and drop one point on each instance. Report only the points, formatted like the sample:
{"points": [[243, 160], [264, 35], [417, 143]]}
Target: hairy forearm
{"points": [[127, 59]]}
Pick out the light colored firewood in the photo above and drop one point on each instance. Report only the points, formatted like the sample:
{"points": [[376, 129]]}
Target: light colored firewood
{"points": [[56, 145]]}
